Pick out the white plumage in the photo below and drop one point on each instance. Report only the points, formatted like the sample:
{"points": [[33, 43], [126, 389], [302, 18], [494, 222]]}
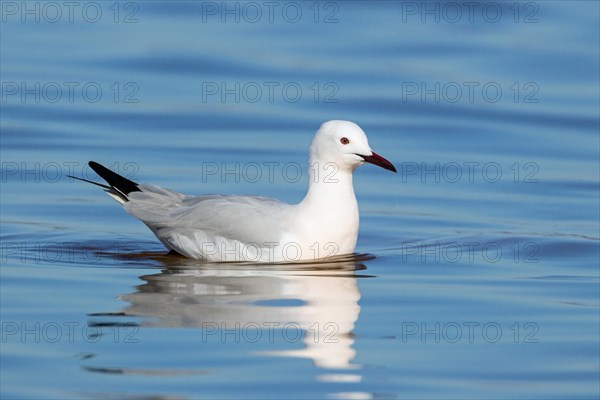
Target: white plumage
{"points": [[258, 229]]}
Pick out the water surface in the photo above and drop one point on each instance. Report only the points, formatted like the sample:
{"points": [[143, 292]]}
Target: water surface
{"points": [[477, 267]]}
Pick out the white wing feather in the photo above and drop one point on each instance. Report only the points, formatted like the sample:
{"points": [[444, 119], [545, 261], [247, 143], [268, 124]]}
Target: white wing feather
{"points": [[188, 224]]}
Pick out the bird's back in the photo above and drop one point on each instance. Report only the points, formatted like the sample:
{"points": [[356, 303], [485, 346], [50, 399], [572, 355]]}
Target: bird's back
{"points": [[212, 227]]}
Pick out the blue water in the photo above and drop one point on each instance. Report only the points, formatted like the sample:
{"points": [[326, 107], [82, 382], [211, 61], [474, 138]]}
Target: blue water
{"points": [[477, 266]]}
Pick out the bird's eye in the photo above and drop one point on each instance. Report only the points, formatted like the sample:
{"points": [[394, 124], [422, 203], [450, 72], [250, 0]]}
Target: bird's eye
{"points": [[344, 140]]}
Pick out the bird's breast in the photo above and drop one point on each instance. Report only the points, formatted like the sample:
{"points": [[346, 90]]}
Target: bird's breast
{"points": [[326, 232]]}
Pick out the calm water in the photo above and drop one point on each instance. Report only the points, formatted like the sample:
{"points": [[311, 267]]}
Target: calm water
{"points": [[477, 274]]}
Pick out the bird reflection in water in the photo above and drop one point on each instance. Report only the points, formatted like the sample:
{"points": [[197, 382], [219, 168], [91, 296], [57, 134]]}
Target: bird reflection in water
{"points": [[321, 299]]}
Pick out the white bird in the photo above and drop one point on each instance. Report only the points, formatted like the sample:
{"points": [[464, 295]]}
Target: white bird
{"points": [[235, 228]]}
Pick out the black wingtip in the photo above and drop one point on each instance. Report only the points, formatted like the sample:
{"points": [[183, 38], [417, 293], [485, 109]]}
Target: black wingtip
{"points": [[88, 181], [115, 180]]}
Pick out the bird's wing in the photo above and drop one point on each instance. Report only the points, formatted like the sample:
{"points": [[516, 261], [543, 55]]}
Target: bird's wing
{"points": [[246, 219], [118, 186]]}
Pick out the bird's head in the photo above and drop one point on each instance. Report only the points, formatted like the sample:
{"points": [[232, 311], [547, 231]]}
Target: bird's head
{"points": [[345, 144]]}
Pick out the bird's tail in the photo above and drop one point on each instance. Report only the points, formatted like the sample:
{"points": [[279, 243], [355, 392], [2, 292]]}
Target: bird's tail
{"points": [[118, 186]]}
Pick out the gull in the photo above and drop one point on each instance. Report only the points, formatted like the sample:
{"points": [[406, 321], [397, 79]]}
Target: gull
{"points": [[233, 228]]}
